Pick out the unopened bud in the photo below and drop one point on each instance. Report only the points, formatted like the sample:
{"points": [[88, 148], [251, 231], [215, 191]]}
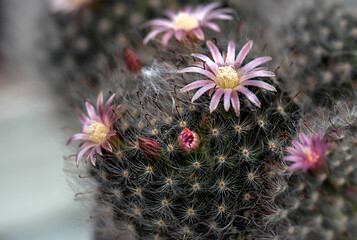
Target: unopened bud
{"points": [[188, 141], [132, 61], [149, 147]]}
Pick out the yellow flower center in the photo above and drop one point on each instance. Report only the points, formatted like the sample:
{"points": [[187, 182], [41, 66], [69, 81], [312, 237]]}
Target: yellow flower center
{"points": [[97, 132], [311, 156], [185, 21], [227, 77]]}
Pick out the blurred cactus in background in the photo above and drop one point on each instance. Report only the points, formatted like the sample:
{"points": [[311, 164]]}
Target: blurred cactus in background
{"points": [[170, 160], [323, 41]]}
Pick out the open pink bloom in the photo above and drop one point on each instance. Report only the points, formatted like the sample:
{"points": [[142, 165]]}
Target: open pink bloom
{"points": [[308, 153], [226, 76], [187, 23], [67, 6], [96, 130]]}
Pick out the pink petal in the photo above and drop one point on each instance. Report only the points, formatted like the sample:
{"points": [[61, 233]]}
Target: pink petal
{"points": [[215, 100], [84, 148], [107, 146], [260, 84], [212, 26], [242, 54], [251, 96], [202, 91], [199, 64], [84, 119], [91, 112], [160, 22], [194, 85], [292, 151], [98, 149], [292, 158], [258, 74], [230, 53], [186, 9], [153, 34], [100, 106], [227, 98], [235, 103], [166, 38], [255, 63], [198, 70], [199, 33], [212, 65], [108, 110], [170, 14], [209, 7], [297, 166], [92, 152], [78, 136], [178, 34], [218, 15], [217, 57]]}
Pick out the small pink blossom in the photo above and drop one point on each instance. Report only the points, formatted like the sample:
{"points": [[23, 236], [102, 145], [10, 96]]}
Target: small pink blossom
{"points": [[226, 76], [188, 141], [309, 152], [149, 147], [67, 6], [187, 22], [96, 130]]}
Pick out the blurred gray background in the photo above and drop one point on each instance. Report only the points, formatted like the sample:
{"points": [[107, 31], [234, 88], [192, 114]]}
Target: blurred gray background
{"points": [[36, 202]]}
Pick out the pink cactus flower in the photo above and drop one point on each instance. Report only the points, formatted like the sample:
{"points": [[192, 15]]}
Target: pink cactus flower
{"points": [[226, 76], [187, 23], [149, 147], [188, 141], [308, 153], [96, 130], [67, 6]]}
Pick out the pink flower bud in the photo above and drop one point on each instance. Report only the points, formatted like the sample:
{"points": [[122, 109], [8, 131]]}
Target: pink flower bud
{"points": [[132, 61], [188, 141], [149, 147]]}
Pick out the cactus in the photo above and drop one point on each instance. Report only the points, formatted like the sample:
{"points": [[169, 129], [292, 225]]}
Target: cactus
{"points": [[172, 161]]}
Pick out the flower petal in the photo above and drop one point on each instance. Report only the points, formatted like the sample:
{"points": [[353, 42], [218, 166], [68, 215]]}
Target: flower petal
{"points": [[194, 85], [251, 96], [78, 136], [107, 146], [100, 106], [260, 84], [199, 33], [84, 148], [258, 74], [212, 26], [242, 54], [215, 100], [198, 70], [178, 34], [153, 34], [235, 103], [166, 38], [91, 112], [230, 53], [227, 98], [217, 57], [160, 22], [212, 65], [255, 63], [202, 90]]}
